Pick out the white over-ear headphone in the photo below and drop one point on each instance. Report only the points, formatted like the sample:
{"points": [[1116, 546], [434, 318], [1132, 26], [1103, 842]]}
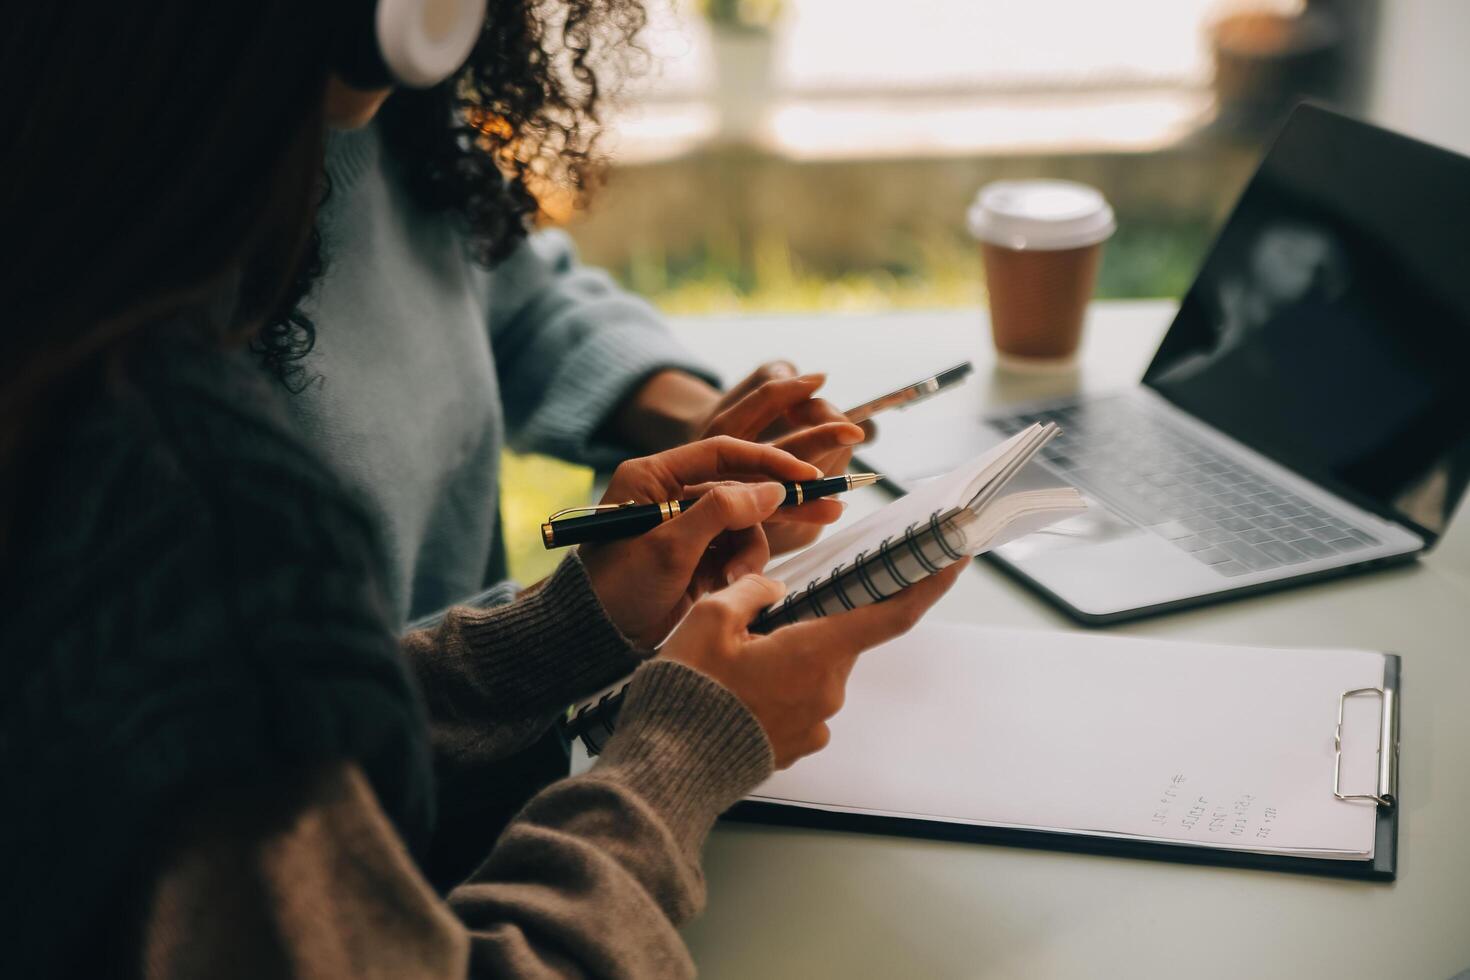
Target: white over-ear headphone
{"points": [[418, 43]]}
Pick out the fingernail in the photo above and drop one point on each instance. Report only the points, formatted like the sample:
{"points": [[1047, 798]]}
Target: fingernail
{"points": [[783, 369], [851, 437], [771, 494], [734, 571], [816, 379]]}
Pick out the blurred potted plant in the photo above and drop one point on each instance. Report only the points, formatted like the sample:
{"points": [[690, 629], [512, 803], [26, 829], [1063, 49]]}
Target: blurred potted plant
{"points": [[743, 37]]}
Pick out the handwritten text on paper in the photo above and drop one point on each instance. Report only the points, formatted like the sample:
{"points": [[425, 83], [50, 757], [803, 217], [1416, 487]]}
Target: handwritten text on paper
{"points": [[1178, 807]]}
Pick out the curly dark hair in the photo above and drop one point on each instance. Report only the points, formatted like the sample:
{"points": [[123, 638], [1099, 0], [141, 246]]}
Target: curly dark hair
{"points": [[522, 115], [286, 334]]}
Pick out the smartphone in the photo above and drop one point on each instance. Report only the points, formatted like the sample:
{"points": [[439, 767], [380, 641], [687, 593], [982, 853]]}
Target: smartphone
{"points": [[910, 394]]}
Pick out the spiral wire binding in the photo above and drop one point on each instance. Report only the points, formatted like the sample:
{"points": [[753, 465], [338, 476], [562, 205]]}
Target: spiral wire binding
{"points": [[590, 717], [860, 570]]}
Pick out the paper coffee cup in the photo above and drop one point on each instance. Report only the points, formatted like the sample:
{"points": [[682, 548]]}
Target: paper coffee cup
{"points": [[1041, 242]]}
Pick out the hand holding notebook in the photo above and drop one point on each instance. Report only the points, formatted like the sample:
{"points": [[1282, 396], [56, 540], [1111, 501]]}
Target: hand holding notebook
{"points": [[792, 682], [970, 510]]}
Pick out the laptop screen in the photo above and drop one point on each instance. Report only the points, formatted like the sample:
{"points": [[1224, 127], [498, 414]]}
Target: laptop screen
{"points": [[1329, 327]]}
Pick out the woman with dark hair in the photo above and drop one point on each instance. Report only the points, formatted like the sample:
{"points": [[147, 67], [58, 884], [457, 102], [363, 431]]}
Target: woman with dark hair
{"points": [[470, 331], [218, 759]]}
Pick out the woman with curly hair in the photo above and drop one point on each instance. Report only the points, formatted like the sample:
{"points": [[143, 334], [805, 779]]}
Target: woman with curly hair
{"points": [[219, 758], [470, 330], [446, 327]]}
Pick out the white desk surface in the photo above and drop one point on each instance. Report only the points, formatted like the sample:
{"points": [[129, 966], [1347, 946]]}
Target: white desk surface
{"points": [[800, 903]]}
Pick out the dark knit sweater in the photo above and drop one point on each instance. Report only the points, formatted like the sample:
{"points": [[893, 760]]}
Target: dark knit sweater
{"points": [[212, 756], [189, 603]]}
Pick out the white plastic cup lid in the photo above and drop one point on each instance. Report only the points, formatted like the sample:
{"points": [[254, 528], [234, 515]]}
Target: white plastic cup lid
{"points": [[1041, 214]]}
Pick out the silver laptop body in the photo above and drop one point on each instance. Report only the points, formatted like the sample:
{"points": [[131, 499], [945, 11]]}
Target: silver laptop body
{"points": [[1305, 415]]}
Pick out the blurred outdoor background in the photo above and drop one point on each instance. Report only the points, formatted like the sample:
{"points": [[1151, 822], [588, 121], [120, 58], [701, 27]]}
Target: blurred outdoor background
{"points": [[819, 155]]}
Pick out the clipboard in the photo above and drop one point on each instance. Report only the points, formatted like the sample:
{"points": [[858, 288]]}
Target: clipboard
{"points": [[1385, 799]]}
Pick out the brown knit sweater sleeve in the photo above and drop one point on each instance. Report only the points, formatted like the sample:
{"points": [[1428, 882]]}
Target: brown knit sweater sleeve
{"points": [[592, 879], [495, 679]]}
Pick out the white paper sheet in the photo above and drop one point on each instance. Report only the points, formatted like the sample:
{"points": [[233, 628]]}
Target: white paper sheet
{"points": [[1216, 746]]}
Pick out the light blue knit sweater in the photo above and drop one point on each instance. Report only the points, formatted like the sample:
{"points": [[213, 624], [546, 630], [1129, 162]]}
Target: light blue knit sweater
{"points": [[429, 364]]}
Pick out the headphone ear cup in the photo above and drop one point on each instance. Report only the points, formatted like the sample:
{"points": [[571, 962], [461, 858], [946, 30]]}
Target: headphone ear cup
{"points": [[423, 42], [418, 43]]}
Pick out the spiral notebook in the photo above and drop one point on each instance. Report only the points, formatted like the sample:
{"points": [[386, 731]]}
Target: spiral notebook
{"points": [[980, 505], [1270, 758], [975, 508]]}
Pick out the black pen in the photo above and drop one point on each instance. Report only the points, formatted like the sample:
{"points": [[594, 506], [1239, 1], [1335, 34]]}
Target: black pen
{"points": [[607, 522]]}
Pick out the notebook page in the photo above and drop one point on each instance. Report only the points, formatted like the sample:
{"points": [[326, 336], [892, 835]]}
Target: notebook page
{"points": [[951, 490], [1016, 514], [1184, 743]]}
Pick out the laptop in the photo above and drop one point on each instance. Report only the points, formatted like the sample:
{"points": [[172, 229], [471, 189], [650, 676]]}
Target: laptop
{"points": [[1307, 414]]}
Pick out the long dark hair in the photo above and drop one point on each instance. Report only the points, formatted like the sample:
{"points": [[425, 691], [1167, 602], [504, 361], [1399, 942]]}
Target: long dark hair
{"points": [[153, 154], [525, 110]]}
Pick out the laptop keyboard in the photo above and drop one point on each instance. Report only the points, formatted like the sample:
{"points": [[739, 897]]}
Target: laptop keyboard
{"points": [[1222, 513]]}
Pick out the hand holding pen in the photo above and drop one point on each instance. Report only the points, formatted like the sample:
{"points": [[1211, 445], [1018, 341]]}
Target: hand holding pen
{"points": [[609, 522], [646, 583], [777, 406]]}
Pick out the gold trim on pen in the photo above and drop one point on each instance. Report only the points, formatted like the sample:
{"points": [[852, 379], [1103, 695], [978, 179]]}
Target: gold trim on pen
{"points": [[565, 512], [800, 494], [548, 535]]}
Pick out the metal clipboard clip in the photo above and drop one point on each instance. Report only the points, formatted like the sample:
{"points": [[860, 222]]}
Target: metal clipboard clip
{"points": [[1388, 747]]}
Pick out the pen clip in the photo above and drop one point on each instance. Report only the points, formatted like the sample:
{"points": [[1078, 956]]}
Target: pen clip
{"points": [[591, 509]]}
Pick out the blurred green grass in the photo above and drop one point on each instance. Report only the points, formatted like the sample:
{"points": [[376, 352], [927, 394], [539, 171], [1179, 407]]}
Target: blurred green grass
{"points": [[1147, 258], [533, 488]]}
